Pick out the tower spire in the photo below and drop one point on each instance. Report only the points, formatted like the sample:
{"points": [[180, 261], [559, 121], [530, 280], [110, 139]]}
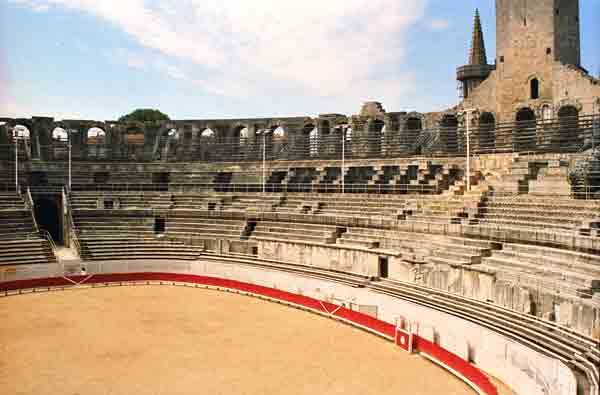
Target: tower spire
{"points": [[477, 56]]}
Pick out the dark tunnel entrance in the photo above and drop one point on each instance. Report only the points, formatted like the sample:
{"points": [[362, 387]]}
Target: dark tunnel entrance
{"points": [[47, 215]]}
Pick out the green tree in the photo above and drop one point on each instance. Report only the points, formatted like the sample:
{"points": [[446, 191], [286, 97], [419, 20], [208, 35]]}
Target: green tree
{"points": [[145, 115]]}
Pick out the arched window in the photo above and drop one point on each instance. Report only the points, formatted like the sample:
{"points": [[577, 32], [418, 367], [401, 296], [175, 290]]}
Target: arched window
{"points": [[448, 129], [314, 142], [525, 132], [96, 136], [207, 134], [21, 132], [59, 134], [534, 89], [486, 132], [568, 121]]}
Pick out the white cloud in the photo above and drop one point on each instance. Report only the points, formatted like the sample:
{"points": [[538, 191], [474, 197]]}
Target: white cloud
{"points": [[244, 48], [438, 24]]}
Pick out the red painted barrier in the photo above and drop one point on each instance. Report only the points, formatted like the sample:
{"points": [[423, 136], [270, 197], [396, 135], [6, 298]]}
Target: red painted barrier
{"points": [[458, 365]]}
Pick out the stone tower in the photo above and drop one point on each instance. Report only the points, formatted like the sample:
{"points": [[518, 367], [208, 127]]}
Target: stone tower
{"points": [[532, 36], [474, 73]]}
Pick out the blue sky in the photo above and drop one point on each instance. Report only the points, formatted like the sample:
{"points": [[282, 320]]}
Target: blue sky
{"points": [[194, 59]]}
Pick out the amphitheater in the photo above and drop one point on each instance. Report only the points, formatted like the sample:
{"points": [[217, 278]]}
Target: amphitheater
{"points": [[451, 252]]}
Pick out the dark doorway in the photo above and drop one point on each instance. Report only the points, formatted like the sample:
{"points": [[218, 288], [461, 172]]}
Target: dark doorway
{"points": [[486, 133], [159, 225], [101, 177], [47, 215], [568, 120], [525, 136], [161, 181], [38, 178], [383, 267], [448, 132]]}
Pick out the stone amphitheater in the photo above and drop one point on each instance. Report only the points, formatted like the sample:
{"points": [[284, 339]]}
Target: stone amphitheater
{"points": [[474, 232]]}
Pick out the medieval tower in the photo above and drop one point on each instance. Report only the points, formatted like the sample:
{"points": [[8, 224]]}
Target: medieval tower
{"points": [[537, 71]]}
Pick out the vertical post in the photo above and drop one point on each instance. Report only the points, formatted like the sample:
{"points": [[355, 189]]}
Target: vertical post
{"points": [[596, 121], [468, 153], [16, 163], [69, 137], [343, 158], [264, 170]]}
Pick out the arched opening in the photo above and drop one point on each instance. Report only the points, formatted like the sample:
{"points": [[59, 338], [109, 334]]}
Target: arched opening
{"points": [[524, 138], [314, 143], [47, 216], [59, 134], [22, 136], [21, 132], [96, 143], [304, 143], [568, 121], [534, 89], [276, 143], [448, 132], [208, 140], [487, 133], [239, 142], [375, 136]]}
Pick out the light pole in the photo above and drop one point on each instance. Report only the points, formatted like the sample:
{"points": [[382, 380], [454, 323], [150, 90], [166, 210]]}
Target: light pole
{"points": [[344, 130], [264, 159], [468, 114], [596, 121], [69, 131], [16, 137]]}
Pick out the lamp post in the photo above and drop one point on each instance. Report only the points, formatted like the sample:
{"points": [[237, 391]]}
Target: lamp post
{"points": [[16, 137], [596, 121], [69, 131], [264, 159], [344, 130], [468, 115]]}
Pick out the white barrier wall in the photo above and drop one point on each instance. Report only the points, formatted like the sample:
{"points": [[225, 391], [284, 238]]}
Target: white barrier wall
{"points": [[525, 370]]}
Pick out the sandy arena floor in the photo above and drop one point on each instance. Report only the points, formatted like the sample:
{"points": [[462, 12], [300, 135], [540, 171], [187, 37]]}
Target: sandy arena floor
{"points": [[175, 340]]}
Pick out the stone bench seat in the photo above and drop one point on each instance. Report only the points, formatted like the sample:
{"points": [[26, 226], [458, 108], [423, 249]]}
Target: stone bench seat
{"points": [[535, 281], [430, 219], [27, 260], [567, 265], [554, 253], [212, 231], [558, 274], [216, 235], [291, 237], [139, 255], [297, 225], [348, 213], [299, 231], [365, 243], [534, 225], [204, 225], [540, 218], [160, 247], [546, 212]]}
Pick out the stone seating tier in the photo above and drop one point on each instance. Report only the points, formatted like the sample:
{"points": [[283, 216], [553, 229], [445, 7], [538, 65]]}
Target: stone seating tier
{"points": [[295, 231], [135, 248], [22, 251]]}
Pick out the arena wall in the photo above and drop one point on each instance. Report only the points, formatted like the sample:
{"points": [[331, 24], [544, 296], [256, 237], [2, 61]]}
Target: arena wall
{"points": [[524, 369]]}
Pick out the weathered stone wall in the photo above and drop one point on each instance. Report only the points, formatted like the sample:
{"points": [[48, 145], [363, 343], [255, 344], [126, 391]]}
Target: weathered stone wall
{"points": [[338, 258]]}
